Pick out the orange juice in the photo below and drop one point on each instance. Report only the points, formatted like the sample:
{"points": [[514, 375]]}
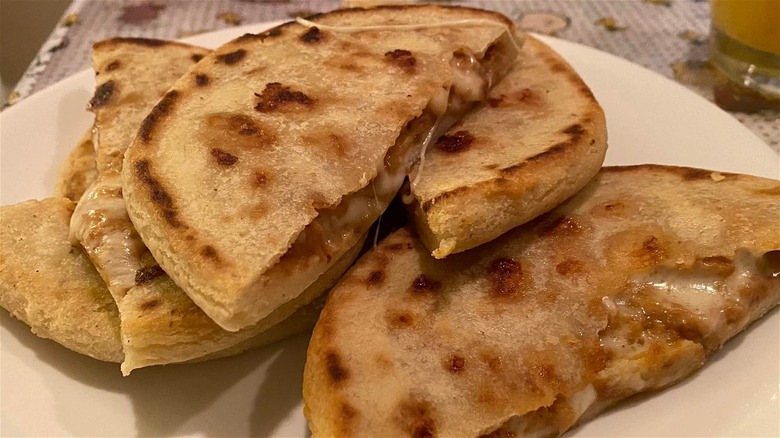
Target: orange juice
{"points": [[754, 23], [745, 42]]}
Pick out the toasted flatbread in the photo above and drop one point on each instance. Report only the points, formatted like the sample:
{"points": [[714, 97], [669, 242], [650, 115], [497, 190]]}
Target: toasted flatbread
{"points": [[51, 286], [54, 288], [159, 323], [78, 171], [540, 138], [629, 286], [268, 161]]}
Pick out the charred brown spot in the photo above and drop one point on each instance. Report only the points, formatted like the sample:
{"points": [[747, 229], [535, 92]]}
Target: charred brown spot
{"points": [[563, 226], [575, 130], [769, 264], [201, 80], [162, 109], [270, 33], [223, 158], [423, 284], [614, 206], [147, 274], [402, 59], [524, 96], [568, 267], [457, 142], [416, 418], [157, 193], [396, 319], [348, 414], [275, 96], [456, 364], [505, 276], [232, 57], [113, 66], [336, 370], [196, 57], [103, 94], [375, 278], [209, 252], [312, 35], [149, 305], [260, 179]]}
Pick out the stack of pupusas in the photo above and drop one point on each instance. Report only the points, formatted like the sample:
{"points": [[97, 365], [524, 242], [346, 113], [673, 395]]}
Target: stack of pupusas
{"points": [[228, 191]]}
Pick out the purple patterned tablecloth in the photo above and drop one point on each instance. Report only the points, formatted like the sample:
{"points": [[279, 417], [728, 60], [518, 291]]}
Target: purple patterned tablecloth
{"points": [[667, 36]]}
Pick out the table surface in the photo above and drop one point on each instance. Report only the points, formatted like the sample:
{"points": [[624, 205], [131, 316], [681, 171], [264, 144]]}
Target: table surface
{"points": [[667, 36]]}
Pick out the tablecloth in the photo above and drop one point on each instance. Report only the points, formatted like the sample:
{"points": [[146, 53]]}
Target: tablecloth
{"points": [[667, 36]]}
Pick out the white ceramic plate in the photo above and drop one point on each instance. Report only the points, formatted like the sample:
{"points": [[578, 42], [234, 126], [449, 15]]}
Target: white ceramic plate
{"points": [[46, 390]]}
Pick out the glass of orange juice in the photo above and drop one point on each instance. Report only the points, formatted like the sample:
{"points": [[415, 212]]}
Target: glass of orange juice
{"points": [[745, 43]]}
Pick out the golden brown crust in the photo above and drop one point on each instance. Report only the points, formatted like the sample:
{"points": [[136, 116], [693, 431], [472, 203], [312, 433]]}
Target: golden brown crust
{"points": [[270, 135], [52, 286], [78, 171], [161, 324], [627, 287], [132, 74], [538, 140]]}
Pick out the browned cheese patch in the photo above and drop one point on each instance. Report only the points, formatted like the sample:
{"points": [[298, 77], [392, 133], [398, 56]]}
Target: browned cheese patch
{"points": [[232, 57], [402, 59], [103, 94], [223, 158], [160, 198], [650, 252], [196, 57], [147, 274], [276, 97], [336, 370], [506, 277], [720, 266], [160, 111], [416, 418], [457, 142]]}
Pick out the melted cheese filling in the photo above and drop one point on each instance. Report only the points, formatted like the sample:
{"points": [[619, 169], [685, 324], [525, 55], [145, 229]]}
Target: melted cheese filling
{"points": [[101, 225]]}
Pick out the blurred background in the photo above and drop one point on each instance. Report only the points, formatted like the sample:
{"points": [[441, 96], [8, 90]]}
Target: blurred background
{"points": [[24, 26]]}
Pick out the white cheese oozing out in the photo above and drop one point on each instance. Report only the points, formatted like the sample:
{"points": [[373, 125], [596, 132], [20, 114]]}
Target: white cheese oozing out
{"points": [[101, 225]]}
